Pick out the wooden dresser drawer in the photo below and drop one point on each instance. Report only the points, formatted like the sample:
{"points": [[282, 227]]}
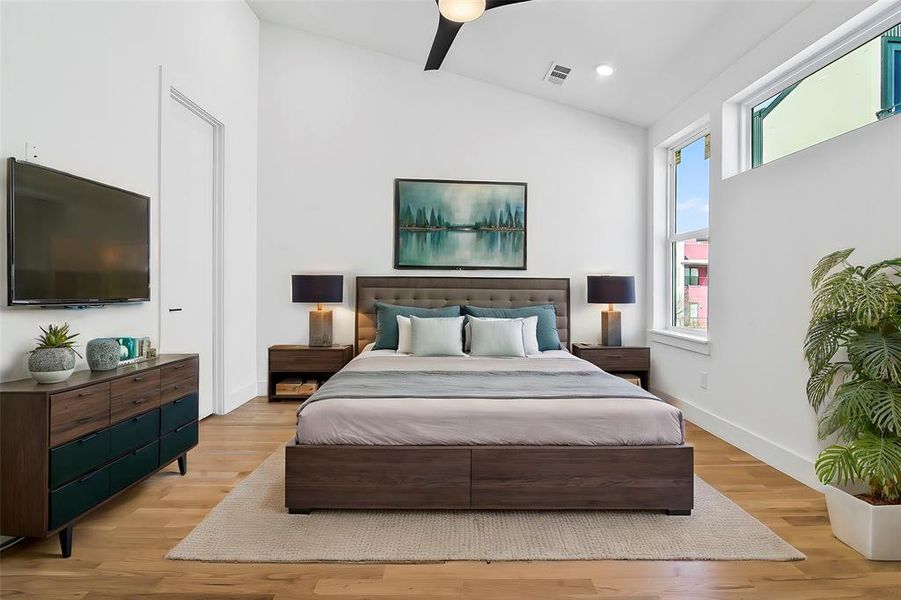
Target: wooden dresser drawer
{"points": [[619, 360], [176, 443], [134, 466], [308, 360], [71, 500], [134, 433], [178, 380], [134, 394], [77, 458], [177, 413], [79, 412]]}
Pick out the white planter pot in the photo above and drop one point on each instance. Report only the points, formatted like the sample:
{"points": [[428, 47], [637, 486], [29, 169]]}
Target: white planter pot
{"points": [[874, 531]]}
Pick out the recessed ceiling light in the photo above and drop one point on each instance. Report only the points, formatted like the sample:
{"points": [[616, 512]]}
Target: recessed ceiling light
{"points": [[605, 70]]}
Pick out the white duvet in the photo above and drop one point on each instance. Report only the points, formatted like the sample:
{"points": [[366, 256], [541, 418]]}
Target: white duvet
{"points": [[485, 421]]}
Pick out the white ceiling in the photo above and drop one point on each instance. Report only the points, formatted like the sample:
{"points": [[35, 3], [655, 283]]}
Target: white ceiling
{"points": [[663, 50]]}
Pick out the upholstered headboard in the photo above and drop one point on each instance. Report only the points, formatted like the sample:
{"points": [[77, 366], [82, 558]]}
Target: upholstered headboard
{"points": [[435, 292]]}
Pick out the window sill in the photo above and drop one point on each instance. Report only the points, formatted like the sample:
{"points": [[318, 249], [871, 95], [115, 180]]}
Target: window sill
{"points": [[678, 339]]}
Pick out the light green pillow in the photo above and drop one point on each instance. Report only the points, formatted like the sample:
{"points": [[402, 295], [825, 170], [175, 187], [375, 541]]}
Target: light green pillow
{"points": [[502, 337], [441, 336]]}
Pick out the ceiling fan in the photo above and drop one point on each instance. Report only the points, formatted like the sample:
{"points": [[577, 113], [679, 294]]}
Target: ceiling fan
{"points": [[452, 15]]}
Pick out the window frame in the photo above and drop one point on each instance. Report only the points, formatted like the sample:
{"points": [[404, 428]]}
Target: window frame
{"points": [[672, 238], [868, 25]]}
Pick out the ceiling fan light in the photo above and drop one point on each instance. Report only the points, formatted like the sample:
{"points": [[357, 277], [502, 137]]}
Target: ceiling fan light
{"points": [[605, 70], [461, 11]]}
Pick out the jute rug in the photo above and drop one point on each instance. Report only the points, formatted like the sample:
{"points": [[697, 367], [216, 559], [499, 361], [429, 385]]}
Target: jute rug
{"points": [[251, 524]]}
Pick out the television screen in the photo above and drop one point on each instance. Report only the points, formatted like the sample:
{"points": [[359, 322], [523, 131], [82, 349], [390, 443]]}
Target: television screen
{"points": [[74, 241]]}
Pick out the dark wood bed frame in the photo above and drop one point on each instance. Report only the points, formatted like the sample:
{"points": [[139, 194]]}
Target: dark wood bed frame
{"points": [[483, 477]]}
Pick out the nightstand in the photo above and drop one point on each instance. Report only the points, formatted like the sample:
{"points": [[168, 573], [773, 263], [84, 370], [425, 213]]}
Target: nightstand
{"points": [[618, 360], [304, 362]]}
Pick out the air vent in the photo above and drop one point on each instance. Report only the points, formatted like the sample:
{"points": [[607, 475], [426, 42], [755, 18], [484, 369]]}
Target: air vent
{"points": [[557, 74]]}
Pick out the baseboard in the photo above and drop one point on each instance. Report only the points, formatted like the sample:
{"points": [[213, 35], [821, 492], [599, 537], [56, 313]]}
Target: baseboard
{"points": [[240, 396], [262, 388], [792, 464]]}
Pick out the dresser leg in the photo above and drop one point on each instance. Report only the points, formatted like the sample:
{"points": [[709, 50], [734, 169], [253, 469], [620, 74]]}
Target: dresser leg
{"points": [[65, 541], [183, 464]]}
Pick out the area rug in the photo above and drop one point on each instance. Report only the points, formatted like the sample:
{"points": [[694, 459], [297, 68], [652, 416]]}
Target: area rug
{"points": [[251, 524]]}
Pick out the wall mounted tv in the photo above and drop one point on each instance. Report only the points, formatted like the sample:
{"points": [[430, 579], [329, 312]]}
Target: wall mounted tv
{"points": [[73, 241]]}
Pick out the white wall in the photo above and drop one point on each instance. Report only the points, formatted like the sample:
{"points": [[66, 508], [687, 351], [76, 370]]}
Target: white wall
{"points": [[338, 124], [768, 227], [81, 80]]}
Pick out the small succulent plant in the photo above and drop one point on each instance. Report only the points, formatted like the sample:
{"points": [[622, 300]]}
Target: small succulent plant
{"points": [[57, 336]]}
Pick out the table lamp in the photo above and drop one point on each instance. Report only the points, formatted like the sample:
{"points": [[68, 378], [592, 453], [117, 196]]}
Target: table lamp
{"points": [[610, 290], [317, 289]]}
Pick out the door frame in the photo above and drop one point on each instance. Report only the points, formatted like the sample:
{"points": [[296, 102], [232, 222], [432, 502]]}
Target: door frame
{"points": [[169, 90]]}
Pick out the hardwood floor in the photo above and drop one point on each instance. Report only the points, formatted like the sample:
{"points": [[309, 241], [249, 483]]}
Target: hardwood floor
{"points": [[119, 549]]}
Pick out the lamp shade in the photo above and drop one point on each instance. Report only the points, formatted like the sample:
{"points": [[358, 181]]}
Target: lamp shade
{"points": [[317, 288], [611, 289]]}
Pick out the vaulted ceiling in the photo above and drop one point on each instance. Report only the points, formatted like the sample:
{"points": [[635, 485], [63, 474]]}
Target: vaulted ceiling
{"points": [[663, 50]]}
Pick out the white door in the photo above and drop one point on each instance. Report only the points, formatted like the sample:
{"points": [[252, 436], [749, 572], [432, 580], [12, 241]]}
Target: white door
{"points": [[186, 240]]}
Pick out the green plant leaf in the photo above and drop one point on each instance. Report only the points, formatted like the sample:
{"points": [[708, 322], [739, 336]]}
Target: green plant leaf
{"points": [[820, 383], [832, 298], [836, 464], [877, 355], [823, 339], [826, 264], [850, 409], [871, 300], [878, 460], [885, 412]]}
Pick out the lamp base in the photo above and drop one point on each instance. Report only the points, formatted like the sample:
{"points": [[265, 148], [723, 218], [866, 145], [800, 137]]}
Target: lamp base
{"points": [[611, 332], [320, 328]]}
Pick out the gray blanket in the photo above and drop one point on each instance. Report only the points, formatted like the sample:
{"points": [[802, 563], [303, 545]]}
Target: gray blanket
{"points": [[476, 384]]}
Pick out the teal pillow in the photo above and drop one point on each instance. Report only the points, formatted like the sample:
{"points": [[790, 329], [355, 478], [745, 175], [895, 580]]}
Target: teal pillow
{"points": [[548, 336], [386, 321]]}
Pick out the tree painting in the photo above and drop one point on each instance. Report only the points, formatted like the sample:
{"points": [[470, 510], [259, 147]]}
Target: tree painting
{"points": [[460, 225]]}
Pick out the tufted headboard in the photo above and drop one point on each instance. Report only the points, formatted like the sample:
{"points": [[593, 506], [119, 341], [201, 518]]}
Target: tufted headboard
{"points": [[435, 292]]}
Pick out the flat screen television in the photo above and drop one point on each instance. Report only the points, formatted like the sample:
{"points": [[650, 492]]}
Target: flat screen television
{"points": [[73, 241]]}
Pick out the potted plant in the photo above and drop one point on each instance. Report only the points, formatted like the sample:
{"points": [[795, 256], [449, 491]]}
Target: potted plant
{"points": [[853, 348], [53, 360]]}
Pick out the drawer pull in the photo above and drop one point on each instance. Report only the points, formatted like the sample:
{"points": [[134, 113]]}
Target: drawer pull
{"points": [[139, 401], [180, 366], [185, 426], [136, 419], [88, 476], [177, 386], [88, 438], [138, 378], [177, 401], [84, 420]]}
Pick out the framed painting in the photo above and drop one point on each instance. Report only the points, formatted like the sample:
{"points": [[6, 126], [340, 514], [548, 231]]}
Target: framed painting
{"points": [[448, 224]]}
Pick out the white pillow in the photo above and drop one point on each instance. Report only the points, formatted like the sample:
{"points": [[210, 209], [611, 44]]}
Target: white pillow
{"points": [[497, 337], [440, 336], [529, 333], [404, 335]]}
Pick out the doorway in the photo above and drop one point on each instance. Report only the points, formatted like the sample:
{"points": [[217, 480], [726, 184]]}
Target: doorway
{"points": [[191, 178]]}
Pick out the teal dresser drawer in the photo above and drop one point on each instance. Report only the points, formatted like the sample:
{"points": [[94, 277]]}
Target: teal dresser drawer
{"points": [[134, 433], [175, 443], [77, 458], [71, 500], [132, 467], [178, 412]]}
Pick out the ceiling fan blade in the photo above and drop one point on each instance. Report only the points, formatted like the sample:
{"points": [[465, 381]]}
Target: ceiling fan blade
{"points": [[444, 37], [489, 4]]}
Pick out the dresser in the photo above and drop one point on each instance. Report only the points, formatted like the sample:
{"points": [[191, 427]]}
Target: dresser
{"points": [[67, 448]]}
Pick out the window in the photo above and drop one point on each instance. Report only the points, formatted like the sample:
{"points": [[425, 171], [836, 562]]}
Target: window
{"points": [[859, 88], [689, 196]]}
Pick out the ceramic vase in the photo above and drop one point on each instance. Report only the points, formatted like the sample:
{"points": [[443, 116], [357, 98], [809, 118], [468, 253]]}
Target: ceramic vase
{"points": [[102, 354], [51, 365]]}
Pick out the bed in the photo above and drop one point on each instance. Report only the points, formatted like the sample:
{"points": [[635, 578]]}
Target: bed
{"points": [[545, 432]]}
